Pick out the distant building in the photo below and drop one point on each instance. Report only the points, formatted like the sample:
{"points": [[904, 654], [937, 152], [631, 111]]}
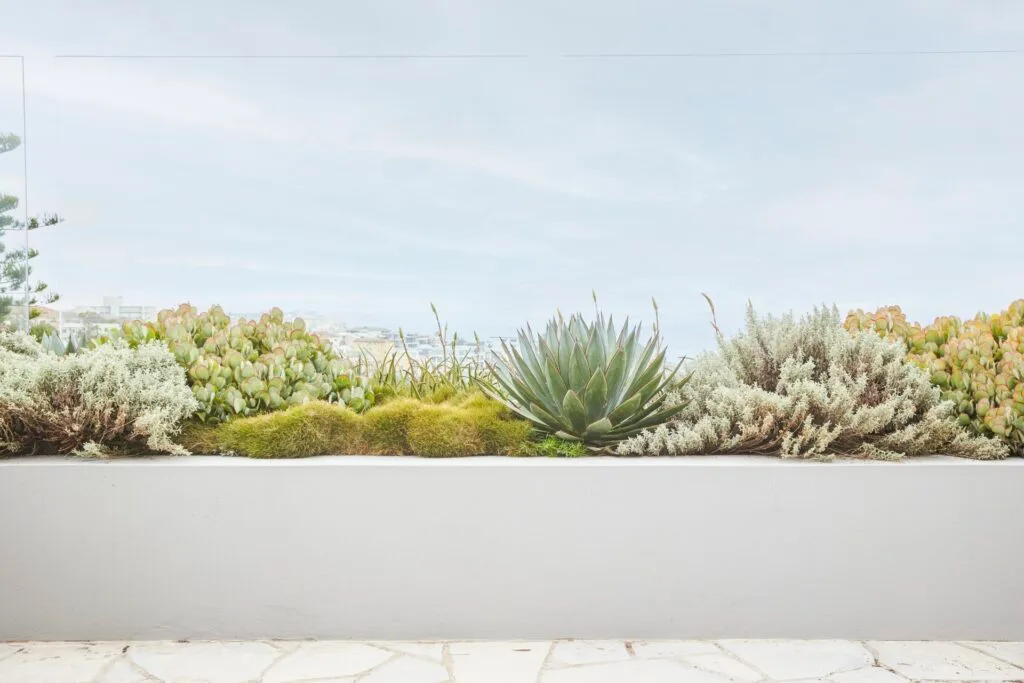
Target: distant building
{"points": [[108, 315], [113, 309], [375, 347]]}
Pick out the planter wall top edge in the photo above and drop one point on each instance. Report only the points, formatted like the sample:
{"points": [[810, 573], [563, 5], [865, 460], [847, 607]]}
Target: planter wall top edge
{"points": [[495, 461]]}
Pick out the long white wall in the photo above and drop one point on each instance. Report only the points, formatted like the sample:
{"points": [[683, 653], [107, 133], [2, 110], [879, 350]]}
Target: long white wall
{"points": [[403, 548]]}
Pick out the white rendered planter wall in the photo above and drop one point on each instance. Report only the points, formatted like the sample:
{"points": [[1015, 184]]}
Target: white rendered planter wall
{"points": [[405, 548]]}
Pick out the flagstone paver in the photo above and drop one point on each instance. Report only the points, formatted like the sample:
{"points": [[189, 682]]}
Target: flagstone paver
{"points": [[566, 661], [934, 661]]}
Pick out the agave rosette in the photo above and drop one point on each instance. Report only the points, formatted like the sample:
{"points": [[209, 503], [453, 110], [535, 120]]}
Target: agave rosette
{"points": [[584, 381]]}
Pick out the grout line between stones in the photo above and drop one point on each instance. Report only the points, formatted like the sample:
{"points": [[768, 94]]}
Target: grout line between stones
{"points": [[420, 657], [447, 662], [544, 662], [12, 653], [729, 653], [878, 662], [965, 644], [281, 654], [360, 676]]}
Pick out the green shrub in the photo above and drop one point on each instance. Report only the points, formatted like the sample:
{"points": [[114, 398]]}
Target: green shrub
{"points": [[583, 381], [250, 367], [101, 401], [809, 389], [314, 428], [978, 365]]}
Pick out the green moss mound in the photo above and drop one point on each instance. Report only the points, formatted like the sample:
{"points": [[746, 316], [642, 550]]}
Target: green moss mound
{"points": [[466, 424], [386, 427], [314, 428], [444, 430]]}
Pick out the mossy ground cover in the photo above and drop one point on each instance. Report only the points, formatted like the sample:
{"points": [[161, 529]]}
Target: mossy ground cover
{"points": [[464, 425]]}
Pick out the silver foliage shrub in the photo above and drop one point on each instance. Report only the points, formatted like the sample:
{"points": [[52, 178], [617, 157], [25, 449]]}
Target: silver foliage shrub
{"points": [[19, 342], [112, 398], [807, 388]]}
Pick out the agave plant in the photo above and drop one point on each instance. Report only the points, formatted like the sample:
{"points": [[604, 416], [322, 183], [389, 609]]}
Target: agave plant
{"points": [[585, 382], [53, 343]]}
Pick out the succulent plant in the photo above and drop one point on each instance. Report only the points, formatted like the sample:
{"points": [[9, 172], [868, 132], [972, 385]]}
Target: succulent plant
{"points": [[977, 364], [581, 381], [250, 366], [53, 343]]}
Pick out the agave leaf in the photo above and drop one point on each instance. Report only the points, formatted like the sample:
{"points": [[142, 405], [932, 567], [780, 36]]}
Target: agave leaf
{"points": [[654, 418], [548, 353], [579, 374], [625, 409], [598, 429], [645, 367], [623, 334], [595, 350], [563, 350], [669, 377], [614, 376], [530, 354], [649, 390], [646, 373], [555, 381], [631, 348], [521, 390], [595, 397], [546, 419], [572, 408], [566, 436], [533, 376], [508, 383]]}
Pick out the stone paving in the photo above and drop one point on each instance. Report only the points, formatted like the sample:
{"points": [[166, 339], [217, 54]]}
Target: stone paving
{"points": [[564, 661]]}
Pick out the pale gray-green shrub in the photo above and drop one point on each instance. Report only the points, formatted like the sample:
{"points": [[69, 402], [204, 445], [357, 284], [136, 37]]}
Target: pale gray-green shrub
{"points": [[112, 398], [19, 342], [807, 388]]}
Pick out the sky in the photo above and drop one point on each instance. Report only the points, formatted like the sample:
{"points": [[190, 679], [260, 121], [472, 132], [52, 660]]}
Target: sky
{"points": [[364, 158]]}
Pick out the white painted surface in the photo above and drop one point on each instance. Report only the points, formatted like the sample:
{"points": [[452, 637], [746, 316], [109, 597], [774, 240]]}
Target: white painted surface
{"points": [[402, 548]]}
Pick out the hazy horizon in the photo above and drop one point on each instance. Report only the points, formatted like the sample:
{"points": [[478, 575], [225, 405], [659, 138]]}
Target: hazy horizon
{"points": [[196, 158]]}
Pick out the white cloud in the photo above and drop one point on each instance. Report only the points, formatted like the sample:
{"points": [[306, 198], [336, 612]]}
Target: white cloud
{"points": [[270, 268]]}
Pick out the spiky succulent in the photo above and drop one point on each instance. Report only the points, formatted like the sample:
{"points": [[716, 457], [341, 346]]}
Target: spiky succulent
{"points": [[53, 343], [584, 382]]}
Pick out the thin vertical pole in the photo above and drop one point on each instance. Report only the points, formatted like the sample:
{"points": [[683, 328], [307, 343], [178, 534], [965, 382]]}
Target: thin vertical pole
{"points": [[24, 154]]}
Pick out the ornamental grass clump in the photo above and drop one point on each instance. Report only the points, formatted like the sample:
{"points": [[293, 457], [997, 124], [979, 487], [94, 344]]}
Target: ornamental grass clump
{"points": [[582, 381], [978, 365], [807, 388], [112, 399]]}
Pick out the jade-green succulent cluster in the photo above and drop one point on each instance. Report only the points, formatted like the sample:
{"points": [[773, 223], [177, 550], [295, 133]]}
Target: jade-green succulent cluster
{"points": [[247, 367], [584, 381], [978, 364]]}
